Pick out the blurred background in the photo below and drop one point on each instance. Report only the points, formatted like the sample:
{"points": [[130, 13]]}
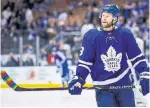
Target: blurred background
{"points": [[31, 29]]}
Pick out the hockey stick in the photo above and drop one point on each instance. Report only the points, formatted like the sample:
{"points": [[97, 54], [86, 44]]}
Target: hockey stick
{"points": [[8, 80]]}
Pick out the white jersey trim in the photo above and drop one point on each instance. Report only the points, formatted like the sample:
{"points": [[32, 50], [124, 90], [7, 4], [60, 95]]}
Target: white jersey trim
{"points": [[98, 28], [139, 62], [86, 63], [113, 80], [85, 67], [136, 57]]}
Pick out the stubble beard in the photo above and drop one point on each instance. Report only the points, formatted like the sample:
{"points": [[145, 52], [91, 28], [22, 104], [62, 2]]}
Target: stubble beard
{"points": [[107, 25]]}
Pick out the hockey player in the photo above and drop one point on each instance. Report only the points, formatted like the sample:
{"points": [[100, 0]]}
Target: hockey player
{"points": [[62, 65], [104, 54]]}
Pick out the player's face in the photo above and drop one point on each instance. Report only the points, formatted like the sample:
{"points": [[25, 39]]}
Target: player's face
{"points": [[106, 20]]}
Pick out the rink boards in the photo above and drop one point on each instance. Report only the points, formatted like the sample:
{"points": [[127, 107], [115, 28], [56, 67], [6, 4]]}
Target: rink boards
{"points": [[41, 77]]}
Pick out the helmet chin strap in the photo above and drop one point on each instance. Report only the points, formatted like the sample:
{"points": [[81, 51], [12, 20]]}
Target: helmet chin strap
{"points": [[113, 23]]}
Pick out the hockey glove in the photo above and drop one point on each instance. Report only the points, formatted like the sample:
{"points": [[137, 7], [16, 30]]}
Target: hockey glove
{"points": [[144, 82], [75, 86]]}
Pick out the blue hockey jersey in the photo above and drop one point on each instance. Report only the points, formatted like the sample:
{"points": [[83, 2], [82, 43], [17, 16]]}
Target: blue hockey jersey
{"points": [[104, 55], [61, 62]]}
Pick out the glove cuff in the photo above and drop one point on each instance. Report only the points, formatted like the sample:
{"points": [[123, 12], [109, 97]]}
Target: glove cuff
{"points": [[79, 79]]}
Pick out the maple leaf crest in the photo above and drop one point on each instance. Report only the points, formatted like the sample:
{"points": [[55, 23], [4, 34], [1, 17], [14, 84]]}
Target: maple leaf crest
{"points": [[112, 60]]}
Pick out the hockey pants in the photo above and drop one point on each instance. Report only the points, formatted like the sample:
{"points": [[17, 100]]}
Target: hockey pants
{"points": [[115, 98]]}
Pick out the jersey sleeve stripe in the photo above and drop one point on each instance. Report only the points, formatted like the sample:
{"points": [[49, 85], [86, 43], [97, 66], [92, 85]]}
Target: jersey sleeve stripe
{"points": [[86, 67], [136, 57], [86, 63], [139, 62]]}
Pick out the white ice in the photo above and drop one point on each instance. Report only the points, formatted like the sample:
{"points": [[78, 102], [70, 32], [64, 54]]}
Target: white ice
{"points": [[61, 98], [58, 98]]}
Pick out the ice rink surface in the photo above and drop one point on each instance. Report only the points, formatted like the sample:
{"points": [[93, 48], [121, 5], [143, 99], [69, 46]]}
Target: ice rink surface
{"points": [[57, 98]]}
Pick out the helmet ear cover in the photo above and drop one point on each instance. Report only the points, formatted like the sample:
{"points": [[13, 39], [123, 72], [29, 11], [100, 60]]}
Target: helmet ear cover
{"points": [[115, 20]]}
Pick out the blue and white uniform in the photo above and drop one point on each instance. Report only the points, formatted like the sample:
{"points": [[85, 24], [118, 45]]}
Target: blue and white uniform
{"points": [[104, 55], [62, 65]]}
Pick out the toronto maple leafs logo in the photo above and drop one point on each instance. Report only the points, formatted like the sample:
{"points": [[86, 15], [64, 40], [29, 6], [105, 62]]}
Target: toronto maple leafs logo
{"points": [[112, 60]]}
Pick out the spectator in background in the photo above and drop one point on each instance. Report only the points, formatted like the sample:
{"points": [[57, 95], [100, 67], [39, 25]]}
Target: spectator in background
{"points": [[32, 35], [51, 32], [52, 27], [69, 60], [146, 38], [76, 58], [11, 61], [51, 58], [77, 45], [28, 48], [29, 3], [3, 22], [135, 29], [144, 25], [64, 46], [127, 10], [63, 16], [45, 19], [44, 58], [52, 21], [90, 14], [128, 24], [11, 4], [27, 60], [71, 19], [86, 27], [121, 21], [136, 33], [22, 17], [7, 13], [18, 61], [95, 11], [29, 16]]}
